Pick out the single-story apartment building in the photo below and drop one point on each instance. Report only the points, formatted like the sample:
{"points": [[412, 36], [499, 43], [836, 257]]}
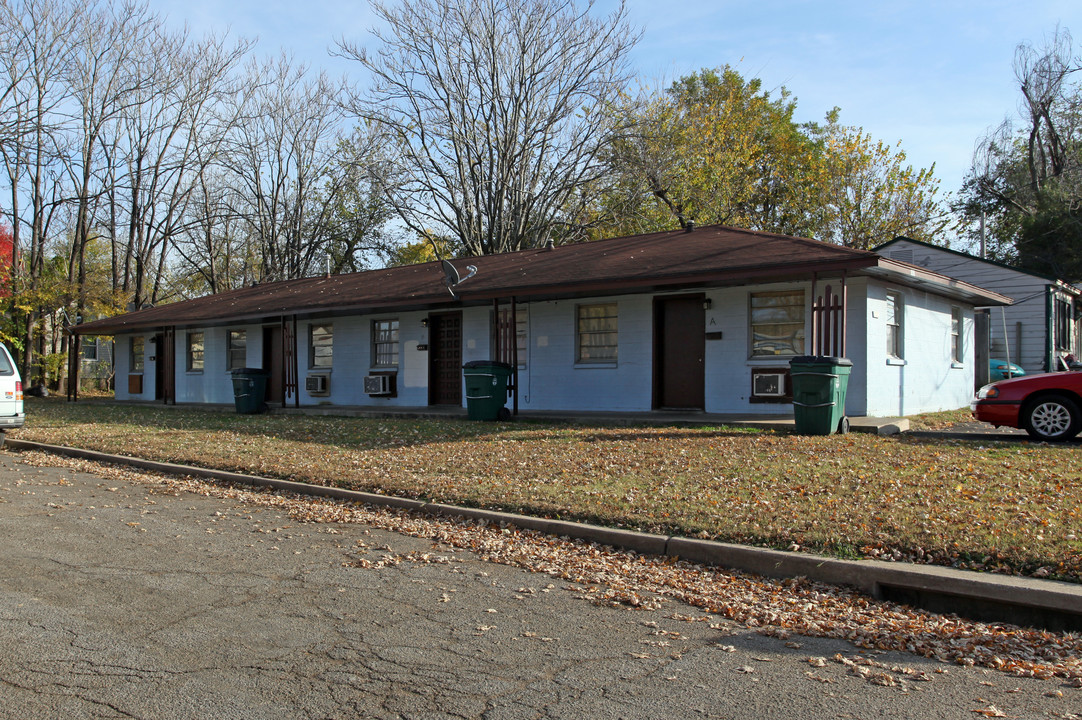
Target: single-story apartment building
{"points": [[1039, 329], [706, 319]]}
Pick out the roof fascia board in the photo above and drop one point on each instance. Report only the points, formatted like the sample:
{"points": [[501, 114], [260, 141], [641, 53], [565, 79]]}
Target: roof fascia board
{"points": [[914, 275], [1066, 286]]}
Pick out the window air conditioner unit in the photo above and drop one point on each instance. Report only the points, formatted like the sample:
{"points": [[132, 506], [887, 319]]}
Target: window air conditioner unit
{"points": [[317, 384], [768, 384], [378, 384]]}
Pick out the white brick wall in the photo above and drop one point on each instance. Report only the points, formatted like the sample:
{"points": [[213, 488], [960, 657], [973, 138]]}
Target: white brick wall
{"points": [[553, 381]]}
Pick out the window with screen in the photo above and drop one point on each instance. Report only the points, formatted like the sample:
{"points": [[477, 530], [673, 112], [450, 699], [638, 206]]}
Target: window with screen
{"points": [[597, 333], [956, 334], [777, 323], [320, 346], [895, 317], [237, 349], [135, 357], [385, 343], [194, 352]]}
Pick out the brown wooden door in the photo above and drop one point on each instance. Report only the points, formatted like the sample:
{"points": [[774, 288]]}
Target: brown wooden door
{"points": [[165, 370], [272, 363], [445, 359], [679, 352]]}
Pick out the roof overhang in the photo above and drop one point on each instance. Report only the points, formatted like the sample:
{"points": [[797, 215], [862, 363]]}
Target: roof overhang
{"points": [[524, 292], [664, 262], [916, 276]]}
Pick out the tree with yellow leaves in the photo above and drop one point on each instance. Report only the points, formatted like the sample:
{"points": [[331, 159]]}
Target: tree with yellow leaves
{"points": [[718, 149], [871, 195], [712, 149]]}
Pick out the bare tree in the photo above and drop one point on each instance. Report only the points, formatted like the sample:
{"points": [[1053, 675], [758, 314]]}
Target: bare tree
{"points": [[1042, 77], [496, 109], [37, 44], [172, 130], [1025, 185], [1051, 115], [282, 154], [104, 82], [212, 250]]}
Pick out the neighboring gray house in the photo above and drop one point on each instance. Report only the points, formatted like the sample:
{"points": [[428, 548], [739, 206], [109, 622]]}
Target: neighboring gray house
{"points": [[1036, 331], [96, 368], [705, 320]]}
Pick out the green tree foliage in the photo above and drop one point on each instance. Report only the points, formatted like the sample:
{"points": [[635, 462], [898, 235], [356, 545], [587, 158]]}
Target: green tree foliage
{"points": [[1025, 188], [713, 148], [718, 149], [358, 195]]}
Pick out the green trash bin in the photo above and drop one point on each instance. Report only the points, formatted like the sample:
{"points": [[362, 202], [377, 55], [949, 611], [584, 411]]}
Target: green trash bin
{"points": [[819, 385], [486, 389], [249, 389]]}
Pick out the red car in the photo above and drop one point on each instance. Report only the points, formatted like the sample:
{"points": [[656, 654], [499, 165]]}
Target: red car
{"points": [[1048, 406]]}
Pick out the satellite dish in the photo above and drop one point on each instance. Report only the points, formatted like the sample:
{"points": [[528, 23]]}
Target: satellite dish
{"points": [[452, 278]]}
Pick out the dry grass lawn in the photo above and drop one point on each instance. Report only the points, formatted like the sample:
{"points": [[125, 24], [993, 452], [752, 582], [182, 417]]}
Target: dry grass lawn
{"points": [[1012, 507]]}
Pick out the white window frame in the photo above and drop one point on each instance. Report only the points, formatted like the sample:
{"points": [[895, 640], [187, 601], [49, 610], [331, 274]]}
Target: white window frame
{"points": [[1062, 324], [895, 331], [957, 334]]}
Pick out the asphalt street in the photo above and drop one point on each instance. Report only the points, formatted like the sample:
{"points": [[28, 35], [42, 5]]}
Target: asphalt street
{"points": [[121, 599]]}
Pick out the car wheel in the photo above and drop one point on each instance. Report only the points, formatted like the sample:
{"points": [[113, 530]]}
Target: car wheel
{"points": [[1052, 418]]}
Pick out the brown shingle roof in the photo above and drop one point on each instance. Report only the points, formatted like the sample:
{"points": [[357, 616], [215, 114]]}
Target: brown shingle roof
{"points": [[709, 255]]}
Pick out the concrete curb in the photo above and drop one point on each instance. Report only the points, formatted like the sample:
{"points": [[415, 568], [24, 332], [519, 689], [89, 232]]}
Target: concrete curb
{"points": [[986, 596]]}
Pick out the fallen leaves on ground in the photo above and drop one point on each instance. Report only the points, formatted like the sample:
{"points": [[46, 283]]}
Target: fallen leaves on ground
{"points": [[1008, 508], [622, 578]]}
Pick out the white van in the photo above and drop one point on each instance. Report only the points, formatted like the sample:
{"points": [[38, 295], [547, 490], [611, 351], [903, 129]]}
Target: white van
{"points": [[11, 395]]}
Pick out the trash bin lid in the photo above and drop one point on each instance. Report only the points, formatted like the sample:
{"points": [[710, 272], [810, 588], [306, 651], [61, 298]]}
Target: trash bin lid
{"points": [[821, 360], [248, 371], [486, 363]]}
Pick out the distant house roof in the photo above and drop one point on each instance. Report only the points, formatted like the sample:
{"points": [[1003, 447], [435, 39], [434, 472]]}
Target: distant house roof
{"points": [[1062, 284], [713, 255]]}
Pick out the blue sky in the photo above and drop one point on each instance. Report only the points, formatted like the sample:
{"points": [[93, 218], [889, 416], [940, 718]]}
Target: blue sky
{"points": [[935, 75]]}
